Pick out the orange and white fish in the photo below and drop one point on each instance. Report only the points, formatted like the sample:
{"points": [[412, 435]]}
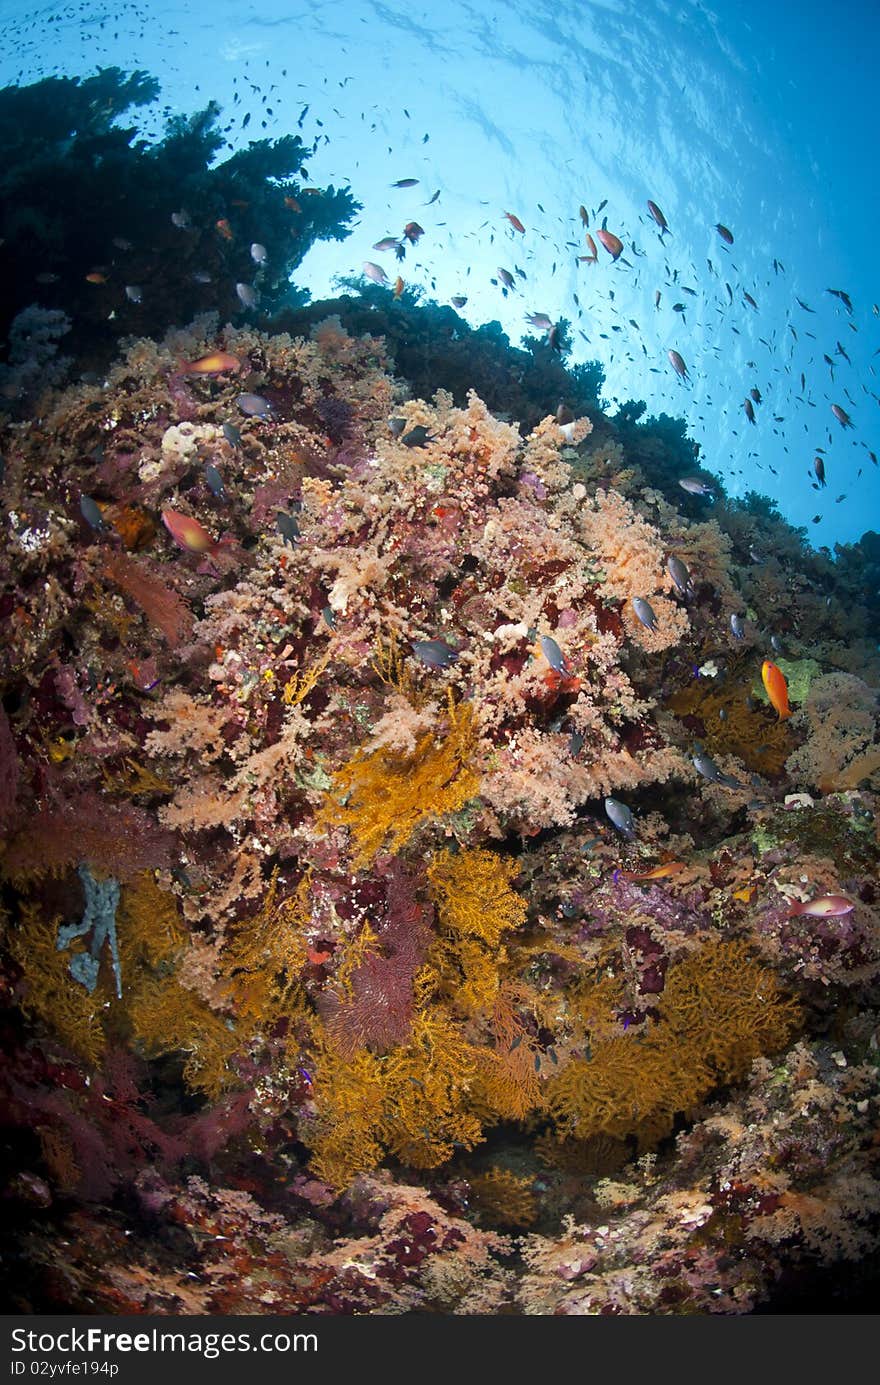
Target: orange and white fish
{"points": [[187, 532], [656, 873], [825, 906], [217, 363], [777, 689]]}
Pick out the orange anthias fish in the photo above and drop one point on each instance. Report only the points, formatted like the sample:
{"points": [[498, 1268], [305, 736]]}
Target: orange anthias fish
{"points": [[292, 204], [593, 256], [398, 286], [96, 277], [217, 363], [612, 243], [777, 689], [515, 222], [187, 532], [656, 873], [224, 228], [827, 906]]}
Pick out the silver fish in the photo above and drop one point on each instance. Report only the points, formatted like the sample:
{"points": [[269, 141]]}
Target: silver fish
{"points": [[694, 486], [645, 612], [254, 405], [259, 254], [287, 527], [134, 292], [620, 815], [375, 272], [181, 220], [678, 571], [736, 626], [434, 653], [247, 294], [214, 481], [91, 512], [553, 654]]}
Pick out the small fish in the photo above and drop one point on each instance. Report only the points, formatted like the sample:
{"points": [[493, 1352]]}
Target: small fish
{"points": [[750, 300], [706, 766], [231, 434], [375, 272], [612, 243], [405, 183], [515, 222], [434, 653], [91, 512], [593, 256], [217, 363], [681, 577], [396, 425], [777, 689], [736, 626], [224, 228], [677, 363], [181, 220], [187, 532], [819, 468], [724, 233], [458, 300], [201, 276], [247, 294], [254, 406], [398, 287], [825, 906], [658, 216], [259, 254], [506, 277], [553, 654], [656, 873], [622, 818], [750, 410], [777, 645], [694, 486], [842, 416], [287, 527], [645, 612], [134, 293], [387, 243], [412, 231], [214, 481], [292, 205], [417, 437], [540, 321], [96, 276], [844, 298], [47, 277]]}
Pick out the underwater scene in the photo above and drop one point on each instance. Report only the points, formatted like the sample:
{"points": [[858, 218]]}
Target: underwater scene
{"points": [[440, 658]]}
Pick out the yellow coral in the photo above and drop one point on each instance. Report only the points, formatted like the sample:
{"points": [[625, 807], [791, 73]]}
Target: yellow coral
{"points": [[384, 798], [165, 1018], [502, 1198], [473, 893], [720, 1009], [50, 992]]}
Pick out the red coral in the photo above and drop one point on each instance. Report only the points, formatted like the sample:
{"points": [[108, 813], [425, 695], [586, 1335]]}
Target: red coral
{"points": [[378, 1010]]}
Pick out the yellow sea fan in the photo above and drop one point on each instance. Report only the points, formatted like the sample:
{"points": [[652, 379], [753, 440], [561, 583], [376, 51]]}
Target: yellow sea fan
{"points": [[384, 798]]}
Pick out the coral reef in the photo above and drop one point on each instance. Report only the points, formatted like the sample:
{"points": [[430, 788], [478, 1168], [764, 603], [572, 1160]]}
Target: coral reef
{"points": [[318, 936]]}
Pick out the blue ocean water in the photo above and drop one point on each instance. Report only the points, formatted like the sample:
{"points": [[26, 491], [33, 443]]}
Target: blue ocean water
{"points": [[760, 118]]}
